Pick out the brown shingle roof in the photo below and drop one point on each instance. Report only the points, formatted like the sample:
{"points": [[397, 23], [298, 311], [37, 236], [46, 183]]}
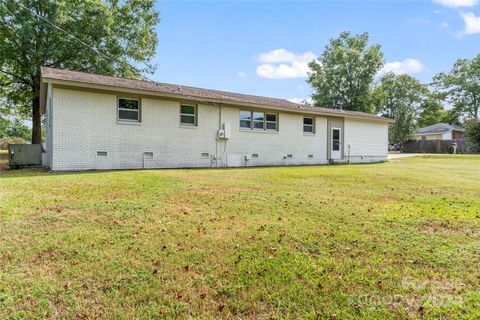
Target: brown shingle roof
{"points": [[206, 95]]}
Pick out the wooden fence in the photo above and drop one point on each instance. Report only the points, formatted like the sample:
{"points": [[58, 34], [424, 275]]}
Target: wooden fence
{"points": [[435, 146]]}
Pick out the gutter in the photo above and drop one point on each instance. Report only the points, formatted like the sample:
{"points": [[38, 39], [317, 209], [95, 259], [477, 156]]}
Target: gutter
{"points": [[79, 84]]}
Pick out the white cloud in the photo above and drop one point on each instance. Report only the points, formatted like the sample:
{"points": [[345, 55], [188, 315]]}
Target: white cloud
{"points": [[277, 55], [408, 66], [283, 64], [472, 23], [444, 25], [283, 71], [301, 100], [242, 74], [457, 3]]}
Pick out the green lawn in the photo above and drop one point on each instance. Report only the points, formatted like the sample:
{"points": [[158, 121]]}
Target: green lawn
{"points": [[393, 240]]}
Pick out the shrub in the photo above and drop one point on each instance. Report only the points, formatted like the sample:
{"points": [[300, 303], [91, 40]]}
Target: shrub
{"points": [[5, 141], [472, 134]]}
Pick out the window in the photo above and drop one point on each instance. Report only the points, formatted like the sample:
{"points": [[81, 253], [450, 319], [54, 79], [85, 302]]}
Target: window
{"points": [[101, 153], [128, 109], [308, 125], [245, 119], [335, 139], [271, 123], [258, 120], [188, 115]]}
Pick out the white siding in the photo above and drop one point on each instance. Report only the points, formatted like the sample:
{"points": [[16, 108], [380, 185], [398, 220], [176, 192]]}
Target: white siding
{"points": [[447, 135], [365, 141], [47, 157], [438, 136]]}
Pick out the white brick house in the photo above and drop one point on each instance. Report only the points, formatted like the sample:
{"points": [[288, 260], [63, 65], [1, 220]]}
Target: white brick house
{"points": [[100, 122]]}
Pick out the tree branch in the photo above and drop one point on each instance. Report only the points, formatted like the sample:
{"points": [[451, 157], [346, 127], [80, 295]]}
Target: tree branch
{"points": [[25, 81]]}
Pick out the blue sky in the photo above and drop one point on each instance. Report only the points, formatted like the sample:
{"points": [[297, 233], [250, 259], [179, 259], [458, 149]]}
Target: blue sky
{"points": [[261, 47]]}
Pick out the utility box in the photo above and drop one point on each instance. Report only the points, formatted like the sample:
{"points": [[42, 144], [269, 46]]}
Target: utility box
{"points": [[24, 155], [226, 129]]}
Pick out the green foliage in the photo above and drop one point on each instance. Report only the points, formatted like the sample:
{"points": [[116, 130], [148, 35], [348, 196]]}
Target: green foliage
{"points": [[432, 112], [123, 30], [14, 128], [399, 97], [462, 86], [472, 134], [343, 74], [451, 116]]}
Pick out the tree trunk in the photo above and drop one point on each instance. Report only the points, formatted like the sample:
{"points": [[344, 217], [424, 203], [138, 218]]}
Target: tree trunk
{"points": [[36, 117], [36, 121]]}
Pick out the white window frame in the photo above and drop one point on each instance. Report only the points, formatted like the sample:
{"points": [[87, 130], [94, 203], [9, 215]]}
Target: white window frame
{"points": [[253, 120], [123, 109], [264, 121], [240, 120], [276, 121], [194, 124], [308, 125]]}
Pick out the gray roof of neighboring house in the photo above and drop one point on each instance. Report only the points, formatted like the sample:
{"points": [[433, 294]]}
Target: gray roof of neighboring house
{"points": [[194, 93], [439, 128]]}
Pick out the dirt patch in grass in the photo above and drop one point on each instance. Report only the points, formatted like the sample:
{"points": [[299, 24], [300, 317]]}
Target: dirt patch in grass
{"points": [[382, 241]]}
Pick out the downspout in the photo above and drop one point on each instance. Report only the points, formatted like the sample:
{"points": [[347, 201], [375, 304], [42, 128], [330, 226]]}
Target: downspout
{"points": [[348, 159], [217, 140]]}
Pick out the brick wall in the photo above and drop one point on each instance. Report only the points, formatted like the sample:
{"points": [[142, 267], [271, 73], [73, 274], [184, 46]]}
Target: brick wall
{"points": [[84, 123]]}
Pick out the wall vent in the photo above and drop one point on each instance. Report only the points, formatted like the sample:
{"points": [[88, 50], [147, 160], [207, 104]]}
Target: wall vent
{"points": [[205, 155], [101, 153], [290, 155], [310, 156], [255, 155]]}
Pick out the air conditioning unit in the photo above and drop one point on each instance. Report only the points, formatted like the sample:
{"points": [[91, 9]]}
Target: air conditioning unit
{"points": [[221, 134]]}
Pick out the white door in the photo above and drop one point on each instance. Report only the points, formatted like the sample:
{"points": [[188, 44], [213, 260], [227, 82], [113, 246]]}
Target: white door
{"points": [[336, 144]]}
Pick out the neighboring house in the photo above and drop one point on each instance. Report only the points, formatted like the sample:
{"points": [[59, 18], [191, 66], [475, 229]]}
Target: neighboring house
{"points": [[101, 122], [440, 131]]}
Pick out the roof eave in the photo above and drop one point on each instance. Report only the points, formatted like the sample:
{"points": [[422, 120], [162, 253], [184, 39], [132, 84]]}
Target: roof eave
{"points": [[46, 79]]}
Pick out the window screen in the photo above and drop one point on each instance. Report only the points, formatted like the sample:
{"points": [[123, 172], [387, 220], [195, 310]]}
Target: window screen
{"points": [[188, 115], [128, 109]]}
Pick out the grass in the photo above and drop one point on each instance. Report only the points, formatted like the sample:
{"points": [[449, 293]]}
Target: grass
{"points": [[394, 240]]}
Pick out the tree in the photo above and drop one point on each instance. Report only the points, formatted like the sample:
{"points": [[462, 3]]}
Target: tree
{"points": [[431, 113], [472, 134], [451, 116], [462, 86], [109, 37], [399, 97], [14, 128], [344, 73]]}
